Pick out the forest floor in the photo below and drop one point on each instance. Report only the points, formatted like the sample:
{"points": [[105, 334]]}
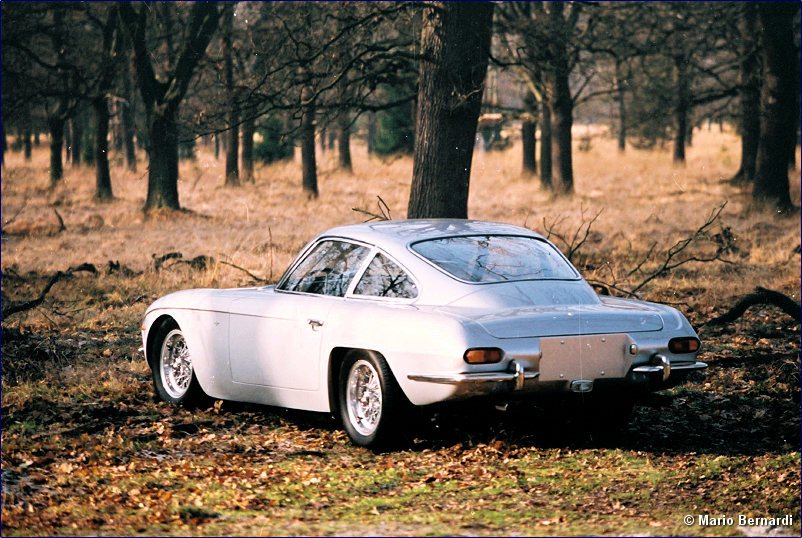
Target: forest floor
{"points": [[86, 450]]}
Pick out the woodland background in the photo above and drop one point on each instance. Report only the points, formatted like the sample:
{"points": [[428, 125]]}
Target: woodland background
{"points": [[150, 147]]}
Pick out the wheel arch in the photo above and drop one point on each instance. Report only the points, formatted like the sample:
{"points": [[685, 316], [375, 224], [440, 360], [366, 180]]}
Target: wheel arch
{"points": [[153, 333], [336, 358]]}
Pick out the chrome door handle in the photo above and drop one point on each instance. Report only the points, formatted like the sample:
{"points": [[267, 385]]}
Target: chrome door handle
{"points": [[314, 323]]}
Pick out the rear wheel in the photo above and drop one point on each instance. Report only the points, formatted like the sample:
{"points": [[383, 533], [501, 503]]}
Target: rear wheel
{"points": [[368, 399], [171, 364]]}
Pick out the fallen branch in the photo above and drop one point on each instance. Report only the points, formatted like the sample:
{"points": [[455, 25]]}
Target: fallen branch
{"points": [[759, 297], [674, 257], [253, 276], [14, 307]]}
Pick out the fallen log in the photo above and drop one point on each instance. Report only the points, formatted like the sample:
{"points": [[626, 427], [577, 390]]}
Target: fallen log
{"points": [[761, 296]]}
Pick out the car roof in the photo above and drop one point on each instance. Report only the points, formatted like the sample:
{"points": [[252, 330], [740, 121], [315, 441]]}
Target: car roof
{"points": [[399, 233]]}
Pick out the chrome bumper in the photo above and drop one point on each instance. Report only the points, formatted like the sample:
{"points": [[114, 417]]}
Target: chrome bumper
{"points": [[518, 374], [665, 367]]}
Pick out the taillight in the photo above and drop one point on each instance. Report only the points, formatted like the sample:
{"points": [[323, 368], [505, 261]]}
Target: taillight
{"points": [[483, 355], [683, 345]]}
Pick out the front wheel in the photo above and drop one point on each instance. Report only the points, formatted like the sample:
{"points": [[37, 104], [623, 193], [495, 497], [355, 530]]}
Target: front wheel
{"points": [[368, 398], [171, 364]]}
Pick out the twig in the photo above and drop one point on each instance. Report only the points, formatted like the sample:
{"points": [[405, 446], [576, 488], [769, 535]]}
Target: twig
{"points": [[383, 214], [61, 226]]}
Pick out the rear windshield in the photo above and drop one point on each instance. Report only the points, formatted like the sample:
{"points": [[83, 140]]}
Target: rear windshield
{"points": [[496, 258]]}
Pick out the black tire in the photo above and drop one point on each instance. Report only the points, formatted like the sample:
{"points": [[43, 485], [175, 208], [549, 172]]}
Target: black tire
{"points": [[174, 377], [369, 399]]}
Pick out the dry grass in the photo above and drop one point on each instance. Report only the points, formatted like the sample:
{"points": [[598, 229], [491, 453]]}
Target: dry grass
{"points": [[642, 197]]}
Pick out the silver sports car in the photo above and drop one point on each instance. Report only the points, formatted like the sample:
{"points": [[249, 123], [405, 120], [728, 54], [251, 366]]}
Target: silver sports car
{"points": [[373, 317]]}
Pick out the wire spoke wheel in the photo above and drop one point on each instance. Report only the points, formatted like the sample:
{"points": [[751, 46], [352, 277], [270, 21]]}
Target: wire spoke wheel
{"points": [[175, 365], [364, 397]]}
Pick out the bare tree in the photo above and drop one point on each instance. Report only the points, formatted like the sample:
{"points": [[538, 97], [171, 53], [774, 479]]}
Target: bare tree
{"points": [[162, 95]]}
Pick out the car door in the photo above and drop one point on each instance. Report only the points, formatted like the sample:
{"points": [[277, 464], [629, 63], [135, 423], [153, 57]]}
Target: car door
{"points": [[275, 337]]}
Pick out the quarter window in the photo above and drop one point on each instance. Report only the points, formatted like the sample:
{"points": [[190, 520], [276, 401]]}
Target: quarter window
{"points": [[327, 270], [383, 278]]}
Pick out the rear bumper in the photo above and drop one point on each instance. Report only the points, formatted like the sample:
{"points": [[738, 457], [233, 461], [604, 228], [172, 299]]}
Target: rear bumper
{"points": [[660, 374]]}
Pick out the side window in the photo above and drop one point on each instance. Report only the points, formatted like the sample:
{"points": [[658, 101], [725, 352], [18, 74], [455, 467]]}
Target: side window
{"points": [[383, 278], [327, 269]]}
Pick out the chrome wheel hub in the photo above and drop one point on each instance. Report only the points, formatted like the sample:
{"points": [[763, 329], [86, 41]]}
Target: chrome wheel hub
{"points": [[364, 397], [176, 366]]}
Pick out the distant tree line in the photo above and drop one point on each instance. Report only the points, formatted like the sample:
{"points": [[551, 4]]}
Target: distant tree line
{"points": [[410, 75]]}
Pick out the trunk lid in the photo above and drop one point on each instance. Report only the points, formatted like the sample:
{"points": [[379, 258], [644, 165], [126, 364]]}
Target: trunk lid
{"points": [[567, 320]]}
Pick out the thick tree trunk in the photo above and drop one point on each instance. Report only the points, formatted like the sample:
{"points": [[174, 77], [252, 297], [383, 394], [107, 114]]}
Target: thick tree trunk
{"points": [[529, 144], [455, 46], [562, 121], [777, 104], [545, 147], [102, 174], [56, 127], [308, 163], [750, 95], [163, 163], [681, 108], [248, 129], [344, 144]]}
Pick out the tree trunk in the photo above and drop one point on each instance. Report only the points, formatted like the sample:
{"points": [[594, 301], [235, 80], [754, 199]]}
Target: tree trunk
{"points": [[324, 140], [545, 147], [26, 140], [777, 104], [455, 45], [216, 146], [680, 108], [562, 121], [371, 134], [163, 163], [127, 119], [750, 95], [308, 164], [67, 137], [102, 174], [56, 126], [232, 150], [36, 138], [344, 144], [77, 137], [4, 146], [248, 129], [529, 143], [622, 109]]}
